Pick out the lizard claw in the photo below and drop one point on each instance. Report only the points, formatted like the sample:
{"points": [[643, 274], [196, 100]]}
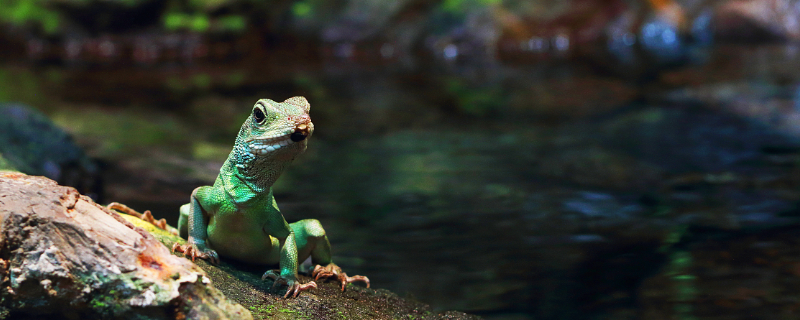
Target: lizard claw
{"points": [[333, 271], [195, 251], [295, 287]]}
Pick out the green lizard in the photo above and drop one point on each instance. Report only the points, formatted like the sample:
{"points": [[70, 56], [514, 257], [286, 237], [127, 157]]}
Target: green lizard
{"points": [[238, 217]]}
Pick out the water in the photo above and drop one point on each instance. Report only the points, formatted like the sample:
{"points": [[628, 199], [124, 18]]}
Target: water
{"points": [[562, 189]]}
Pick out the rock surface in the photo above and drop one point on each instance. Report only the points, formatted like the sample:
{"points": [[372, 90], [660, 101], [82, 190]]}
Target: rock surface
{"points": [[62, 254]]}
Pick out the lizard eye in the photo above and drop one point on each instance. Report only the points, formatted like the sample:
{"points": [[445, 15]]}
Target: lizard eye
{"points": [[258, 116]]}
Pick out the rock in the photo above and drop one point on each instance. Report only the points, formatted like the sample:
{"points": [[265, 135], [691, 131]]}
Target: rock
{"points": [[31, 143], [62, 254]]}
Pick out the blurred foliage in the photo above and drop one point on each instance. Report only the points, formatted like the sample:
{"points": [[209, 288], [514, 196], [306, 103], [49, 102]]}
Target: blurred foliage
{"points": [[5, 164], [203, 150], [464, 5], [178, 20], [209, 5], [202, 15], [232, 23], [302, 8], [204, 81], [22, 85], [29, 12], [195, 15], [120, 134], [450, 14], [308, 16], [476, 101], [202, 22]]}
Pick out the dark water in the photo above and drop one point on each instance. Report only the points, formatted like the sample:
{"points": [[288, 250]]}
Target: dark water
{"points": [[550, 190]]}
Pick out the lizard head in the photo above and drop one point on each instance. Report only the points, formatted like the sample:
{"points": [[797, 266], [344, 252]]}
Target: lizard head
{"points": [[276, 131]]}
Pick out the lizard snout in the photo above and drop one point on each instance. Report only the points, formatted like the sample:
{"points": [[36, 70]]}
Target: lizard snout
{"points": [[300, 133]]}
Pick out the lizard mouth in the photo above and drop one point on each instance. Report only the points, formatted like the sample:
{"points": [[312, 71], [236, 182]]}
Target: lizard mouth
{"points": [[270, 143], [264, 146], [300, 133]]}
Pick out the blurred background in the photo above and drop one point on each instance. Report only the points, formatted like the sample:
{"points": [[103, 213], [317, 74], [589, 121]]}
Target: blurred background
{"points": [[540, 159]]}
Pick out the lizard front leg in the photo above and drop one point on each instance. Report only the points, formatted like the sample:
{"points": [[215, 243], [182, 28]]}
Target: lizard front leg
{"points": [[288, 270], [198, 234]]}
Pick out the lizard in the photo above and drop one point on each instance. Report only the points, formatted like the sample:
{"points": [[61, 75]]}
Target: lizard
{"points": [[237, 217]]}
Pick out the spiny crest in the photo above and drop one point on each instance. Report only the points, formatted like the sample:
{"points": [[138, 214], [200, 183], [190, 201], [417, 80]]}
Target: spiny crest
{"points": [[300, 102]]}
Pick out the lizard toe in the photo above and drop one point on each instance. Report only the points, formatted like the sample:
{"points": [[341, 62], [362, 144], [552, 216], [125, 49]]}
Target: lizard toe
{"points": [[212, 256], [177, 248], [297, 287], [333, 271], [345, 280]]}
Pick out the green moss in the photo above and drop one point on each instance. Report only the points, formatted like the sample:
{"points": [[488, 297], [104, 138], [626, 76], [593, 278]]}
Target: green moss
{"points": [[294, 314], [106, 304], [263, 309], [161, 235]]}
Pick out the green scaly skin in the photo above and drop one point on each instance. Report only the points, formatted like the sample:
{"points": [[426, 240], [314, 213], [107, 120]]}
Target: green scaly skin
{"points": [[238, 217]]}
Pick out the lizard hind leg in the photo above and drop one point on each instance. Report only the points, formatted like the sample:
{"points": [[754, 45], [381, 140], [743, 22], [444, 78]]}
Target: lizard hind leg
{"points": [[311, 240], [147, 216]]}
